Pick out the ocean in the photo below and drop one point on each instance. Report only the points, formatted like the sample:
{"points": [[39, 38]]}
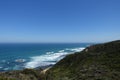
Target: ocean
{"points": [[17, 56]]}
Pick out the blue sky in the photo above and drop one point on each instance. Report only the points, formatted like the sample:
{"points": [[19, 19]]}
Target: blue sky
{"points": [[59, 20]]}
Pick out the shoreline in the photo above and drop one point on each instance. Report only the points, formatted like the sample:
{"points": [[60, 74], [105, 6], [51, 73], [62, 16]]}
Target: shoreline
{"points": [[43, 68]]}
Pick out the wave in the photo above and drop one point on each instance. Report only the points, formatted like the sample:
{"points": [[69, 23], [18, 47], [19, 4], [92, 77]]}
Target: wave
{"points": [[20, 60], [76, 49], [50, 58]]}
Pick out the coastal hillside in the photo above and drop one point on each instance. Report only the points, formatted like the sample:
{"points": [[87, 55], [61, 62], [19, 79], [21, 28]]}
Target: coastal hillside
{"points": [[97, 62], [26, 74]]}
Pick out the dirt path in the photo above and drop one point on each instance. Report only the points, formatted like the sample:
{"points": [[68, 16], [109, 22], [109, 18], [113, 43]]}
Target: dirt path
{"points": [[45, 70]]}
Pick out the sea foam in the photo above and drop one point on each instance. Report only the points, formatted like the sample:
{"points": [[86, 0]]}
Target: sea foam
{"points": [[50, 58]]}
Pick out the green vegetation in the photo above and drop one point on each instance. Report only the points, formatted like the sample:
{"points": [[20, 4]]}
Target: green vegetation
{"points": [[5, 78], [97, 62], [26, 74]]}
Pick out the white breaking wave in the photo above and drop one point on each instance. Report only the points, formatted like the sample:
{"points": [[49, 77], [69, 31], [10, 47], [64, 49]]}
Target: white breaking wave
{"points": [[49, 52], [20, 60], [76, 49], [61, 51], [50, 58]]}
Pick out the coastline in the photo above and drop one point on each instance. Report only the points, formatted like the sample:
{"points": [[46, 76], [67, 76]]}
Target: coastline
{"points": [[37, 55], [87, 64]]}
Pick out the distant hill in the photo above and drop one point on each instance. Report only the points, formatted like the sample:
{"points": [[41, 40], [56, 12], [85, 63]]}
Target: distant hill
{"points": [[96, 62]]}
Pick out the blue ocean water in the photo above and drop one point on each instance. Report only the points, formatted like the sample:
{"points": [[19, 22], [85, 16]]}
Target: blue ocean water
{"points": [[15, 56]]}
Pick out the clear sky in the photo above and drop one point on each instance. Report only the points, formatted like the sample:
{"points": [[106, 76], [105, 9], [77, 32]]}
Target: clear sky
{"points": [[59, 20]]}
